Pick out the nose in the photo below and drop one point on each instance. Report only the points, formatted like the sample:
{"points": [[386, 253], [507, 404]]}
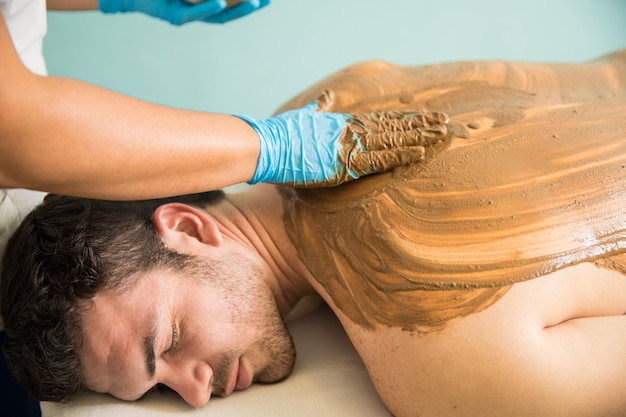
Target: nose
{"points": [[192, 383]]}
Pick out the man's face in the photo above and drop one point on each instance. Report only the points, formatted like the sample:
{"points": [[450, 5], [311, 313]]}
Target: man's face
{"points": [[198, 335]]}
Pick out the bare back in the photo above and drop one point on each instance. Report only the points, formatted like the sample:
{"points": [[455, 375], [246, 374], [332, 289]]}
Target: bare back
{"points": [[473, 282]]}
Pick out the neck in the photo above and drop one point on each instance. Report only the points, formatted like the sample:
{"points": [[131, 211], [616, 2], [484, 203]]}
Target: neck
{"points": [[254, 218]]}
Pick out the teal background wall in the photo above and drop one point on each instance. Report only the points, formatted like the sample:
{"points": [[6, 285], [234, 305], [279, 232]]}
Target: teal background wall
{"points": [[255, 64]]}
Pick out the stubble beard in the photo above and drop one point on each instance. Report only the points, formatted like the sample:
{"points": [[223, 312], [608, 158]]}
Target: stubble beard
{"points": [[242, 280], [277, 346]]}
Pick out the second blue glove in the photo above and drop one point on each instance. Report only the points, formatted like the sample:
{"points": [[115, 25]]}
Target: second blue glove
{"points": [[179, 12]]}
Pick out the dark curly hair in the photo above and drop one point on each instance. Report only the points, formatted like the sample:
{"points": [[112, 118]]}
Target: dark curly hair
{"points": [[63, 253]]}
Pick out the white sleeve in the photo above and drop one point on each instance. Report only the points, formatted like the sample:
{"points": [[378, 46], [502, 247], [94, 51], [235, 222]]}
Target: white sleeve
{"points": [[27, 23]]}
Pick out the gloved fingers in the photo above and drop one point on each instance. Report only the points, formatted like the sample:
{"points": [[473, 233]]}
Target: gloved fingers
{"points": [[364, 163], [184, 12], [235, 12], [396, 121], [416, 129], [424, 117], [389, 139]]}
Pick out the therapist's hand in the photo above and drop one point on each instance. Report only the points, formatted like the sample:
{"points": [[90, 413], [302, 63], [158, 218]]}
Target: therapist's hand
{"points": [[179, 12], [311, 148]]}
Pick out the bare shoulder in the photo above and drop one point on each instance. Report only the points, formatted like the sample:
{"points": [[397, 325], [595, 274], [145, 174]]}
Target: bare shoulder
{"points": [[552, 346]]}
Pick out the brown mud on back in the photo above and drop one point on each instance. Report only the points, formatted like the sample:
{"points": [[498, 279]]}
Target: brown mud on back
{"points": [[536, 182]]}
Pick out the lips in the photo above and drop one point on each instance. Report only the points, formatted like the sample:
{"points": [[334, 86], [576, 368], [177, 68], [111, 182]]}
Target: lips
{"points": [[244, 378], [241, 379]]}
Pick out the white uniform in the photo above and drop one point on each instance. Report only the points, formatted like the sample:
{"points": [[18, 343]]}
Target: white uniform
{"points": [[27, 21], [27, 24]]}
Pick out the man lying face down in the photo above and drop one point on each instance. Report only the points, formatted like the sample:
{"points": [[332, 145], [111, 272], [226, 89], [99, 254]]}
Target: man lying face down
{"points": [[487, 280]]}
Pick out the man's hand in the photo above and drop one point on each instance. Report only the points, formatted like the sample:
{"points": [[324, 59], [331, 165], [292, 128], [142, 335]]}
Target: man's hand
{"points": [[179, 12], [310, 148]]}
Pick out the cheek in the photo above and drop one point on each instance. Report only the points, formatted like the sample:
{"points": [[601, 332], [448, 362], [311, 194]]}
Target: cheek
{"points": [[232, 304], [224, 321], [207, 327]]}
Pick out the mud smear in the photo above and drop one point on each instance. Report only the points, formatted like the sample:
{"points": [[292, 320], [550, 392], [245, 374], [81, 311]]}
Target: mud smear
{"points": [[532, 181]]}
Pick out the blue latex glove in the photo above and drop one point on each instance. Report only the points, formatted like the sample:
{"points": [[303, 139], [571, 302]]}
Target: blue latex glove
{"points": [[179, 12], [309, 148]]}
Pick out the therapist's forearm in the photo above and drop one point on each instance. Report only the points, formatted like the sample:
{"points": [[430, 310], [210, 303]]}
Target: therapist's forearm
{"points": [[65, 136], [68, 5]]}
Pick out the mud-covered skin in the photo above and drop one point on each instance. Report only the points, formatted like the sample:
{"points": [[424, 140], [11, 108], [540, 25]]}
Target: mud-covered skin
{"points": [[532, 181]]}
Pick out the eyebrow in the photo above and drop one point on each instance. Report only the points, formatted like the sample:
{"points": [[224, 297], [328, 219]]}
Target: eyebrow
{"points": [[148, 348]]}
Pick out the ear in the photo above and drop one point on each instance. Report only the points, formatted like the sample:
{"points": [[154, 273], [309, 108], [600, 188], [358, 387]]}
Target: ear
{"points": [[181, 224]]}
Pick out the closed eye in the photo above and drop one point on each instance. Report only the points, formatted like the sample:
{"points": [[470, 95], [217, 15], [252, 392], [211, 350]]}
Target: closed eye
{"points": [[174, 343]]}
